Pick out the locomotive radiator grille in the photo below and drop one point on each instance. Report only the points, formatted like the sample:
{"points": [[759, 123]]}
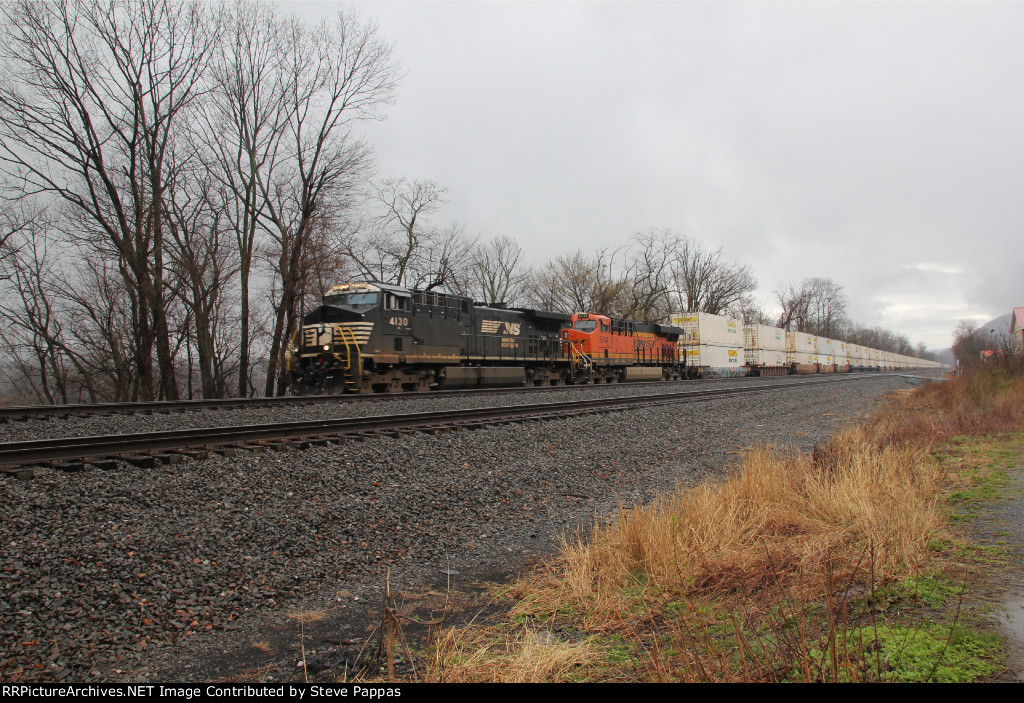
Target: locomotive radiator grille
{"points": [[360, 331], [342, 334]]}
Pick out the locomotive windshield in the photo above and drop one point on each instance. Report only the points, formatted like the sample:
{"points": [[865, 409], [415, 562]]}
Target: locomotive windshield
{"points": [[352, 299], [585, 325]]}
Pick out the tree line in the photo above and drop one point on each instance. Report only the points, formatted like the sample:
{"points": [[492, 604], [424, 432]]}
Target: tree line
{"points": [[973, 343], [177, 178], [181, 180]]}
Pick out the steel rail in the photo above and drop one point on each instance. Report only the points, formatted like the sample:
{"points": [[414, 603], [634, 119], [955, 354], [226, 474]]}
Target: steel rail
{"points": [[44, 451], [22, 412]]}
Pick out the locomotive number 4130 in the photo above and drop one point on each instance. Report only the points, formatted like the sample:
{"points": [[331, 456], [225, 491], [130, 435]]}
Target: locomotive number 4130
{"points": [[400, 321]]}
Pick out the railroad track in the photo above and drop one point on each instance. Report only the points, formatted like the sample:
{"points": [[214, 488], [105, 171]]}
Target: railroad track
{"points": [[147, 449], [14, 413]]}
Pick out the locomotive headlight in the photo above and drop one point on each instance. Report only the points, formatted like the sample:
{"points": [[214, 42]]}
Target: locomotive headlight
{"points": [[327, 347], [295, 350]]}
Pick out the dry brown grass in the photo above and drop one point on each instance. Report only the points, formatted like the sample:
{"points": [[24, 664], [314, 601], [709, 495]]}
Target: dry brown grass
{"points": [[785, 530], [985, 400], [778, 515], [523, 656]]}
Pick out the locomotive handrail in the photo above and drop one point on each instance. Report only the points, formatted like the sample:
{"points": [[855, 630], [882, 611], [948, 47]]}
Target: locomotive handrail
{"points": [[353, 378], [577, 353]]}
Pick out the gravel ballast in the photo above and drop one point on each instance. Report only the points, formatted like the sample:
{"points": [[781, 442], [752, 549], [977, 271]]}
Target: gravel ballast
{"points": [[132, 575], [363, 406]]}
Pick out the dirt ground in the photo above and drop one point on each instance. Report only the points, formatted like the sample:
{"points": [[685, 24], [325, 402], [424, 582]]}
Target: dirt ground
{"points": [[1001, 524]]}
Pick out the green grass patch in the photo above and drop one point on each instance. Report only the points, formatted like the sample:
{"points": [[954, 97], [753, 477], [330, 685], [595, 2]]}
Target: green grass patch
{"points": [[982, 554], [982, 464], [930, 653], [932, 590]]}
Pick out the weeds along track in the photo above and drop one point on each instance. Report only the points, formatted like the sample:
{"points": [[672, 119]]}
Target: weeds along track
{"points": [[148, 448]]}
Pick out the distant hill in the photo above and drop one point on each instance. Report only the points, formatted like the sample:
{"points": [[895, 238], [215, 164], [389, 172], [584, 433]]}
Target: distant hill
{"points": [[999, 326]]}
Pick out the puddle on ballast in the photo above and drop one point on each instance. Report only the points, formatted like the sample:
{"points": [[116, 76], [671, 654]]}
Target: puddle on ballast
{"points": [[1012, 618]]}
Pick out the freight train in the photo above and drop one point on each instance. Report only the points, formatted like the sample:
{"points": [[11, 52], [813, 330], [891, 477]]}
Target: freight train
{"points": [[375, 337]]}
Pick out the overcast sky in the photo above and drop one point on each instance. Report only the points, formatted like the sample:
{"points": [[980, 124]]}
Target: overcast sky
{"points": [[878, 144]]}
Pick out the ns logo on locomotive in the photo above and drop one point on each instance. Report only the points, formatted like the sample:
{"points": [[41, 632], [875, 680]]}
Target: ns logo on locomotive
{"points": [[374, 337]]}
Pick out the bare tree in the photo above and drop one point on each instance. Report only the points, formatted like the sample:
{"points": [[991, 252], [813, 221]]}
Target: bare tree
{"points": [[829, 306], [752, 312], [401, 231], [649, 276], [577, 282], [31, 328], [816, 306], [498, 272], [19, 219], [333, 75], [242, 127], [970, 340], [447, 263], [795, 301], [100, 312], [704, 281], [112, 107], [203, 264], [968, 343], [92, 96], [404, 247]]}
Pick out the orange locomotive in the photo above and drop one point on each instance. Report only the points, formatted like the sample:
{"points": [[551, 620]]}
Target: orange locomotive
{"points": [[606, 349]]}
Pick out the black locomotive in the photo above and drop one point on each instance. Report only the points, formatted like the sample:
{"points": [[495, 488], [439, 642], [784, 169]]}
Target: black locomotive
{"points": [[375, 337]]}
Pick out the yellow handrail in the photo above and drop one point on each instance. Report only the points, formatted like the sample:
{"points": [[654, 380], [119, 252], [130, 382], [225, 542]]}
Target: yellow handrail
{"points": [[288, 356], [352, 376]]}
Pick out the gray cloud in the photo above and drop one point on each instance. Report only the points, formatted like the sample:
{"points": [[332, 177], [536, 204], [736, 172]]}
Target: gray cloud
{"points": [[875, 143]]}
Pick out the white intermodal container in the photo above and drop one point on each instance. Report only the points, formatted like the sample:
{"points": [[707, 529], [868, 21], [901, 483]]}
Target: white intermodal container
{"points": [[803, 343], [715, 360], [826, 346], [705, 328], [765, 337], [765, 357], [854, 355]]}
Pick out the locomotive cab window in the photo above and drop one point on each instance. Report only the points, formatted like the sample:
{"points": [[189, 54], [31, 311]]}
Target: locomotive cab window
{"points": [[352, 299], [585, 325], [398, 302]]}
